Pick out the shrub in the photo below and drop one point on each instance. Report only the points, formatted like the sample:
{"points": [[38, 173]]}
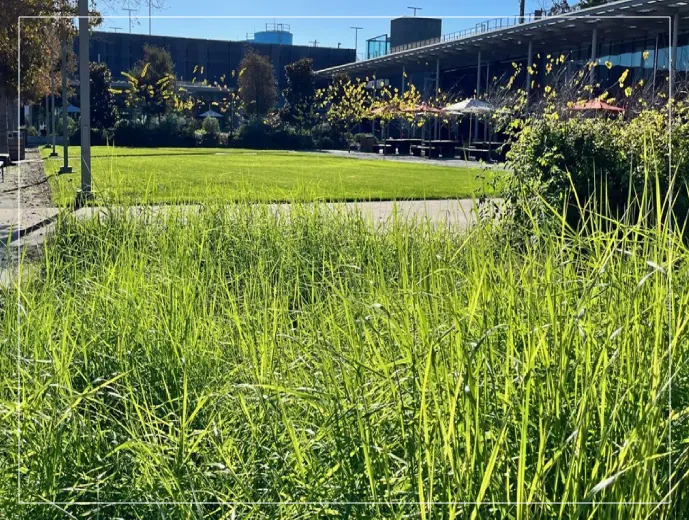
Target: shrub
{"points": [[172, 130], [256, 134], [361, 136], [31, 131], [326, 137], [579, 162], [211, 125]]}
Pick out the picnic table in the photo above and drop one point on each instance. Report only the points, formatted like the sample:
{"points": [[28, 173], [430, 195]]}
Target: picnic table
{"points": [[403, 144], [382, 146]]}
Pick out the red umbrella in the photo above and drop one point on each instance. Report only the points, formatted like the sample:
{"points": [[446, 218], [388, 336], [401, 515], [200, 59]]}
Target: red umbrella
{"points": [[597, 104]]}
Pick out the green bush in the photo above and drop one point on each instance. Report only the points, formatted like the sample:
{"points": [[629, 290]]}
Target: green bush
{"points": [[256, 134], [581, 162], [361, 136], [326, 137], [172, 130], [211, 125]]}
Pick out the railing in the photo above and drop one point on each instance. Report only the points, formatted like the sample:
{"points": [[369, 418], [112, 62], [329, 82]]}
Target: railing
{"points": [[480, 28]]}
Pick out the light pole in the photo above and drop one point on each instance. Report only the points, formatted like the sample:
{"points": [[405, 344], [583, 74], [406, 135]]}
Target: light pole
{"points": [[356, 39], [130, 18], [85, 101], [66, 168], [115, 29], [52, 105], [415, 9]]}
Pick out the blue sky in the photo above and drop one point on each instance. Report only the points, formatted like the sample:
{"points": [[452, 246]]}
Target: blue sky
{"points": [[328, 32]]}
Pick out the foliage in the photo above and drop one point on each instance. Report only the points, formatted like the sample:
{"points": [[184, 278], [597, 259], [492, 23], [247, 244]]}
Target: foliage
{"points": [[103, 108], [258, 134], [327, 137], [573, 160], [152, 83], [299, 94], [171, 130], [257, 85], [40, 42], [211, 125]]}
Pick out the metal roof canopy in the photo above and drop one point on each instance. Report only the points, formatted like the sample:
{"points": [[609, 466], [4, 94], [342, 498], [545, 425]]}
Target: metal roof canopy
{"points": [[640, 17]]}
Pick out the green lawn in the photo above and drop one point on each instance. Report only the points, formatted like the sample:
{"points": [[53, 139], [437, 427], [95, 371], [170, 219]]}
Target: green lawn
{"points": [[178, 174]]}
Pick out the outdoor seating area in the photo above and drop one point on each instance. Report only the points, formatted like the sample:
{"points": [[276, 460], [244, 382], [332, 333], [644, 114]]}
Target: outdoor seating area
{"points": [[434, 143]]}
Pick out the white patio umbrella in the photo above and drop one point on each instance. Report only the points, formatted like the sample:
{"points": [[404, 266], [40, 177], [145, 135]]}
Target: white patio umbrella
{"points": [[470, 106], [473, 107]]}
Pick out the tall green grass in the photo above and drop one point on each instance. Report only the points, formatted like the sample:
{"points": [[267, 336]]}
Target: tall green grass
{"points": [[300, 364]]}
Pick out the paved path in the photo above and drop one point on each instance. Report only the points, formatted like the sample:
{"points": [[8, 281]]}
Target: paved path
{"points": [[458, 163]]}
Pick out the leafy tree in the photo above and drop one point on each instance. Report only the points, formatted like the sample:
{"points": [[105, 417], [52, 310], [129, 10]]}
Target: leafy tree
{"points": [[299, 94], [583, 4], [257, 84], [38, 37], [103, 108], [152, 83]]}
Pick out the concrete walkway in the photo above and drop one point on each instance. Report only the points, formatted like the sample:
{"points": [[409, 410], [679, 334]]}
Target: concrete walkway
{"points": [[456, 162]]}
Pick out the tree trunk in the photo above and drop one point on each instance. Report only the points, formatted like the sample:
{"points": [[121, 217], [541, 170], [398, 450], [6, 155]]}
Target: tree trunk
{"points": [[8, 117]]}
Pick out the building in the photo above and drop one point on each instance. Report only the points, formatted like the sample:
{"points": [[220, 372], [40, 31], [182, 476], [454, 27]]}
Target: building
{"points": [[639, 35], [198, 59]]}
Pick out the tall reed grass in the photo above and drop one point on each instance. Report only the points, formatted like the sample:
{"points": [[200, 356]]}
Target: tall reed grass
{"points": [[305, 364]]}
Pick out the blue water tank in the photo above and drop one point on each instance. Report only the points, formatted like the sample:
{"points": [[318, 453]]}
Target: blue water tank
{"points": [[275, 33]]}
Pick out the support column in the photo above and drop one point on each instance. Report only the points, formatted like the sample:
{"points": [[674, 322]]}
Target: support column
{"points": [[66, 168], [404, 79], [478, 92], [673, 54], [437, 87], [655, 68], [594, 53], [529, 65]]}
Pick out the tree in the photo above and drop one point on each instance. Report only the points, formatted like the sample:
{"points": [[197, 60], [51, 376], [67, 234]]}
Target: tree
{"points": [[583, 4], [299, 94], [257, 84], [103, 108], [38, 36], [152, 83]]}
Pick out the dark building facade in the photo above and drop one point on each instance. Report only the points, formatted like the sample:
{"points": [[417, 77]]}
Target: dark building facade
{"points": [[410, 29], [216, 58]]}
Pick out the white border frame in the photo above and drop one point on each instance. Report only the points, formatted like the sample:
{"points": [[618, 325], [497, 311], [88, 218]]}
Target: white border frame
{"points": [[671, 70]]}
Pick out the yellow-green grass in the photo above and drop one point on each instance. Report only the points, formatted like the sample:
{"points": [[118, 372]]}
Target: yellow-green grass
{"points": [[162, 175], [326, 370]]}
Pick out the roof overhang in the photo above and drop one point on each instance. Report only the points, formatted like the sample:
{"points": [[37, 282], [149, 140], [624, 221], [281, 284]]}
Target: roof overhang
{"points": [[614, 21]]}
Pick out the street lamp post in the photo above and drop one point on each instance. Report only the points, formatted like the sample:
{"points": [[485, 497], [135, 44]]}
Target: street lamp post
{"points": [[52, 104], [356, 39], [85, 101], [66, 168]]}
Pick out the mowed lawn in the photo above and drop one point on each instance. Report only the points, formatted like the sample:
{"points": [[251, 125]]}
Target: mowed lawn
{"points": [[212, 174]]}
